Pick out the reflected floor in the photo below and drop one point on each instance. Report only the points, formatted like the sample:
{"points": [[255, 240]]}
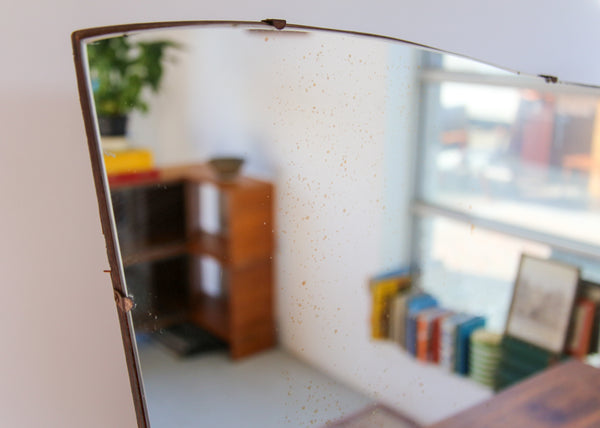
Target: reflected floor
{"points": [[271, 389]]}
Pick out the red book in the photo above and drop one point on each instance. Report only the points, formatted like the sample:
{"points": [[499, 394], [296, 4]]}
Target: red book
{"points": [[436, 334], [583, 318], [131, 178], [424, 332]]}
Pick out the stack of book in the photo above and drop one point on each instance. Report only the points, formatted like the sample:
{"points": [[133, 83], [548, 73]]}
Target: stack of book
{"points": [[123, 161], [520, 360], [415, 321], [459, 343], [484, 357]]}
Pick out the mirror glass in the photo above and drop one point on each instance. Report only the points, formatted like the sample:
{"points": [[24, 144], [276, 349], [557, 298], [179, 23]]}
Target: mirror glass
{"points": [[260, 296]]}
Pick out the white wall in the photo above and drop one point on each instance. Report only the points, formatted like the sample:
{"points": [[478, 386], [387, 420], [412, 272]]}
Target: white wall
{"points": [[331, 120], [62, 361], [339, 117], [165, 129]]}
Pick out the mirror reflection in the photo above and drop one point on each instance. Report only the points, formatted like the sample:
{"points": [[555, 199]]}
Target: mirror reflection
{"points": [[303, 217]]}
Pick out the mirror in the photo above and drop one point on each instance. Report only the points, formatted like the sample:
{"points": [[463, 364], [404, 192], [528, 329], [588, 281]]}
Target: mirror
{"points": [[255, 295]]}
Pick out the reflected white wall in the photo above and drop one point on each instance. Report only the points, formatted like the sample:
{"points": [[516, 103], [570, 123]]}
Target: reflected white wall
{"points": [[164, 129], [331, 120]]}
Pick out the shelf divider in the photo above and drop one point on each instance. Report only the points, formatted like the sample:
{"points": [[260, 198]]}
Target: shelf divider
{"points": [[212, 314]]}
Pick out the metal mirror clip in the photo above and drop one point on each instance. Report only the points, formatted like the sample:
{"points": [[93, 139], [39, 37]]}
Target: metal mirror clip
{"points": [[124, 303]]}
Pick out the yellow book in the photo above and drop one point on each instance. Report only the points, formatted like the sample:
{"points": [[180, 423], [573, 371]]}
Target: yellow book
{"points": [[127, 161], [383, 290]]}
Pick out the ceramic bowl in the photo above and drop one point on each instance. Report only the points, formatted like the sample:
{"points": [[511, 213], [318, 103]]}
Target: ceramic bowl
{"points": [[226, 168]]}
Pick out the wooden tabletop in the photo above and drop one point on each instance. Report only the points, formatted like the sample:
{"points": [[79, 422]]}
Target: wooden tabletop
{"points": [[567, 395]]}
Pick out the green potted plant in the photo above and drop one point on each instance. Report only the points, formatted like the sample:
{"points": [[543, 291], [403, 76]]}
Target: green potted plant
{"points": [[120, 70]]}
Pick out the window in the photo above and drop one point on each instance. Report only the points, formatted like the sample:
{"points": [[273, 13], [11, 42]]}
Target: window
{"points": [[508, 164]]}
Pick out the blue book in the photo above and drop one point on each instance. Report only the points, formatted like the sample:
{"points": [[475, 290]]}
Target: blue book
{"points": [[448, 340], [403, 271], [463, 335], [414, 305]]}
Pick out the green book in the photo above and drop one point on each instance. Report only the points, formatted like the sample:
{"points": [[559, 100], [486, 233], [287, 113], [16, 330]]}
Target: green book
{"points": [[520, 360], [519, 367], [526, 352]]}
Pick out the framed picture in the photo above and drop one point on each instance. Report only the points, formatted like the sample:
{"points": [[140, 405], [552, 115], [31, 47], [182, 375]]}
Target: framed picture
{"points": [[542, 303]]}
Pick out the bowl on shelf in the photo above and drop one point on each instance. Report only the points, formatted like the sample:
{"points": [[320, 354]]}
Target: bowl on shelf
{"points": [[226, 168]]}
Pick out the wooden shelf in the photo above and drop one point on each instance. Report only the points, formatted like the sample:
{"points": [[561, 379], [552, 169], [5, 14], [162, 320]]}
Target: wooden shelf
{"points": [[203, 173], [228, 252], [212, 314], [208, 244], [154, 252], [158, 216]]}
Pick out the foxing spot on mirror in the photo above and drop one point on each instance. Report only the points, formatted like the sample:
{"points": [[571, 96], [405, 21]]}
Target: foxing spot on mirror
{"points": [[312, 223]]}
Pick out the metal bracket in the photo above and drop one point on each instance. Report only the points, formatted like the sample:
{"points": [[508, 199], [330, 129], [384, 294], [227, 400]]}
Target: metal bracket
{"points": [[277, 23], [124, 303], [549, 79]]}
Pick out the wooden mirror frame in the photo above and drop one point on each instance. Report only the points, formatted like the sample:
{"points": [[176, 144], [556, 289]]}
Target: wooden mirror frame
{"points": [[123, 302]]}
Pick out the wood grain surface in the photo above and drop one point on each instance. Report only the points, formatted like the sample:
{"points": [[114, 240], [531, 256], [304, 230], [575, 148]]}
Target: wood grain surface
{"points": [[567, 395]]}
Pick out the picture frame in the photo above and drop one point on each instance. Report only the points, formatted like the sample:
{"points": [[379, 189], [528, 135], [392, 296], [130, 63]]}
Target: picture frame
{"points": [[543, 298]]}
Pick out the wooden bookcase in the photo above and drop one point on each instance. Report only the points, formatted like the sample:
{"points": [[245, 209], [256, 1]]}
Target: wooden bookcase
{"points": [[157, 219]]}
